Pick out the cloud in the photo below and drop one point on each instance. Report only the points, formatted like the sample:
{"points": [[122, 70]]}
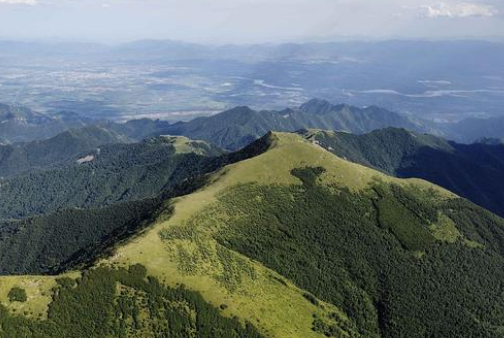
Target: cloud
{"points": [[19, 2], [463, 10]]}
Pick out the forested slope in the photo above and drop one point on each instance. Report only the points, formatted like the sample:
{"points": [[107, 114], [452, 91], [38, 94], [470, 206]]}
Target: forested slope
{"points": [[293, 242], [474, 171]]}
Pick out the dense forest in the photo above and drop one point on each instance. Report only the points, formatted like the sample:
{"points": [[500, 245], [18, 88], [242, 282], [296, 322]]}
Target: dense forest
{"points": [[108, 302], [59, 151], [68, 237], [116, 173], [474, 171]]}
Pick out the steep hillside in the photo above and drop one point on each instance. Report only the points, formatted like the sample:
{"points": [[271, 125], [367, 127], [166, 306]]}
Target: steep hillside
{"points": [[474, 171], [20, 124], [78, 223], [294, 242], [62, 150], [235, 128]]}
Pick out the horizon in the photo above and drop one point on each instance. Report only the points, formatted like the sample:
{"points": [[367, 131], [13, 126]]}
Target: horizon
{"points": [[327, 40], [250, 22]]}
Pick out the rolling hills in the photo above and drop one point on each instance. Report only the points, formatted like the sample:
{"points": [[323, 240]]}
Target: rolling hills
{"points": [[291, 242], [474, 171]]}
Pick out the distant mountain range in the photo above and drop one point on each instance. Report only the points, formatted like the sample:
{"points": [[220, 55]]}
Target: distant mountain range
{"points": [[235, 128], [439, 52]]}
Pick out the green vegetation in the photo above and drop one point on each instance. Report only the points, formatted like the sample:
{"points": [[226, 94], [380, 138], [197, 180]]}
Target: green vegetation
{"points": [[70, 238], [361, 252], [117, 173], [474, 171], [73, 237], [17, 295], [235, 128], [60, 151], [294, 242], [124, 303]]}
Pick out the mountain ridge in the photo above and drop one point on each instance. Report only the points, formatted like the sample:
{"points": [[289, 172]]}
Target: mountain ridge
{"points": [[275, 241], [473, 171], [237, 127]]}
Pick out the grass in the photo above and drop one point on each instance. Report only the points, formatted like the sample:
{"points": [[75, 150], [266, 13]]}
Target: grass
{"points": [[445, 229], [38, 290], [184, 145], [182, 249]]}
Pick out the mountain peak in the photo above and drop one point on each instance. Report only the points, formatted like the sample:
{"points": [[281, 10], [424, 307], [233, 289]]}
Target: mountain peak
{"points": [[321, 106], [316, 106]]}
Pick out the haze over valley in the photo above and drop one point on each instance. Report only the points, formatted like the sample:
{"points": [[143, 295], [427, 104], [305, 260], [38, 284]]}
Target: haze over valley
{"points": [[434, 80]]}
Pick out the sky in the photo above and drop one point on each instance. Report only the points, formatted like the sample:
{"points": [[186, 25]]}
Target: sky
{"points": [[249, 21]]}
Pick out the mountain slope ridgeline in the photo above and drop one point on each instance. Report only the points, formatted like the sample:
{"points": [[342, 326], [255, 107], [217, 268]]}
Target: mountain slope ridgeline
{"points": [[292, 242]]}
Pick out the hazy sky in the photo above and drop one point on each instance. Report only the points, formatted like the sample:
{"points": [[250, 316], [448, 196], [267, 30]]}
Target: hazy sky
{"points": [[249, 21]]}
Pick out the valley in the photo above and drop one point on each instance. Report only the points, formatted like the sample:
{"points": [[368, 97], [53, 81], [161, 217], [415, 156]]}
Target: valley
{"points": [[178, 81]]}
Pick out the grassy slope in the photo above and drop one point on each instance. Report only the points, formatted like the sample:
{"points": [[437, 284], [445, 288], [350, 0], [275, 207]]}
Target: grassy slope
{"points": [[38, 290], [185, 145], [277, 309], [250, 290]]}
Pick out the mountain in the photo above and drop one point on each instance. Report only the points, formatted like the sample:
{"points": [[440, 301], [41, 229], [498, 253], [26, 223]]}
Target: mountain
{"points": [[472, 129], [235, 128], [490, 141], [138, 129], [20, 124], [53, 222], [292, 242], [60, 150], [105, 175], [474, 171]]}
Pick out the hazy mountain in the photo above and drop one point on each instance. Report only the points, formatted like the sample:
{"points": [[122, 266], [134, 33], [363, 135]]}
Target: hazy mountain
{"points": [[490, 141], [294, 242], [20, 124], [474, 171], [472, 129]]}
